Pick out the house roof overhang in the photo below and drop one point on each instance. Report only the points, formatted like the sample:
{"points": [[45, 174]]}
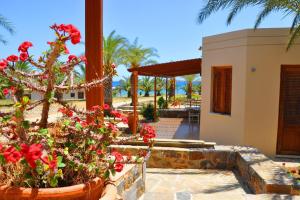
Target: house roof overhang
{"points": [[170, 69]]}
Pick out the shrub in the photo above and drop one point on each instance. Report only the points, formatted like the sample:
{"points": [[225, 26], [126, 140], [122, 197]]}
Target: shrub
{"points": [[161, 102], [148, 112]]}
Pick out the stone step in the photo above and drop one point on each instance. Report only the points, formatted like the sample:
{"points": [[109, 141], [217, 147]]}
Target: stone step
{"points": [[217, 196], [128, 107]]}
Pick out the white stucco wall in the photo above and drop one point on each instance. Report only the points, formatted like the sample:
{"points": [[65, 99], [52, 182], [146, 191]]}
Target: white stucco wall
{"points": [[225, 50], [256, 58]]}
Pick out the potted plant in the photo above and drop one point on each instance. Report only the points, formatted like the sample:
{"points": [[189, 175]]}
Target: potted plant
{"points": [[67, 159]]}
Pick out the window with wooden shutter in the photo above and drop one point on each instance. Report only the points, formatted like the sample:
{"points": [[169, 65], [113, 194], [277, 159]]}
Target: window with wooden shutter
{"points": [[222, 86]]}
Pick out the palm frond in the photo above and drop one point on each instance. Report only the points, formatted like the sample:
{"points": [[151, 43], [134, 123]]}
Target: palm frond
{"points": [[7, 24]]}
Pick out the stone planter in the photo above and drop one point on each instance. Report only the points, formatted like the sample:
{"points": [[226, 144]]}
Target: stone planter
{"points": [[88, 191]]}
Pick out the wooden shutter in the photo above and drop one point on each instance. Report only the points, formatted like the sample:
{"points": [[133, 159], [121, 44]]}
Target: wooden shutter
{"points": [[222, 86]]}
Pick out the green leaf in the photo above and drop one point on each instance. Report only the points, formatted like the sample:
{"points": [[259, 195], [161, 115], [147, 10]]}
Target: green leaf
{"points": [[25, 124], [2, 160], [67, 122], [78, 126], [113, 172], [25, 100], [60, 164], [53, 181], [106, 174], [18, 113], [90, 141], [66, 151]]}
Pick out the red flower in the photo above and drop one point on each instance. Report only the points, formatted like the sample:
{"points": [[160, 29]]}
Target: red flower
{"points": [[24, 46], [3, 64], [124, 120], [31, 153], [51, 163], [99, 152], [83, 59], [115, 113], [13, 89], [5, 91], [112, 127], [72, 58], [106, 107], [113, 65], [66, 112], [23, 56], [96, 108], [147, 132], [1, 147], [12, 155], [118, 156], [12, 58], [73, 32], [119, 167], [84, 124]]}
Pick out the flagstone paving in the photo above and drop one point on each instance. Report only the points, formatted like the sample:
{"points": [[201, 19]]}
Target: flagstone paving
{"points": [[194, 184], [165, 184]]}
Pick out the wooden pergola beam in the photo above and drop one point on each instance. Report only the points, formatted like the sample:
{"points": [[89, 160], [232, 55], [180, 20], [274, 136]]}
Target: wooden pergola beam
{"points": [[93, 50]]}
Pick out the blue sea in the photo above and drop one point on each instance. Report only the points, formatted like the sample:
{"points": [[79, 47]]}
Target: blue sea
{"points": [[179, 90]]}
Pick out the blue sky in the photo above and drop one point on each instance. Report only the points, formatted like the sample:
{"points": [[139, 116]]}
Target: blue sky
{"points": [[170, 26]]}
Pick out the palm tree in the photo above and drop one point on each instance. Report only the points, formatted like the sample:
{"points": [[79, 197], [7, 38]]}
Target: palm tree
{"points": [[126, 85], [135, 55], [160, 85], [189, 84], [288, 7], [7, 25], [198, 88], [5, 82], [146, 84], [113, 46]]}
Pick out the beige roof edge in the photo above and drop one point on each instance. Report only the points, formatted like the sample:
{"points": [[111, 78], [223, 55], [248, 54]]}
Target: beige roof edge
{"points": [[244, 33]]}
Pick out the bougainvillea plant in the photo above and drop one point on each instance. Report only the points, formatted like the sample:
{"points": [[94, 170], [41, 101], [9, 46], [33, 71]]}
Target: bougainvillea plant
{"points": [[74, 149]]}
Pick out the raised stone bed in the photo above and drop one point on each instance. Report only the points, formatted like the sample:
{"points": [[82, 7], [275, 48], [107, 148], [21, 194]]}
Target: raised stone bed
{"points": [[174, 113], [256, 170], [127, 185]]}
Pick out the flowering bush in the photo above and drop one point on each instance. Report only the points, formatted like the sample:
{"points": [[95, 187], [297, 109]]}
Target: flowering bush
{"points": [[71, 151]]}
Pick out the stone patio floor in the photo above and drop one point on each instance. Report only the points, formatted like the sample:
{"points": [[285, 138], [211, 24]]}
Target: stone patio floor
{"points": [[194, 184], [176, 128]]}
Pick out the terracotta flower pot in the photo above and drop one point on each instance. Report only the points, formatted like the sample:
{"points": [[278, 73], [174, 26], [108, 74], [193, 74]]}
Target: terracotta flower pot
{"points": [[130, 121], [88, 191]]}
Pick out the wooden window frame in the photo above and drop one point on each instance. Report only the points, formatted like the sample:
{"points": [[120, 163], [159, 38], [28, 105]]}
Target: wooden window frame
{"points": [[221, 97]]}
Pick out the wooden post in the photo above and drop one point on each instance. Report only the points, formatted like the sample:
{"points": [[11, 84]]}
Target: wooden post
{"points": [[93, 50], [174, 89], [155, 107], [135, 92], [167, 89]]}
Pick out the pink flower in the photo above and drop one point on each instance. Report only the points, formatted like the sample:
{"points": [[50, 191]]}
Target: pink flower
{"points": [[116, 113], [118, 156], [106, 107], [24, 46], [12, 58], [113, 65], [23, 56]]}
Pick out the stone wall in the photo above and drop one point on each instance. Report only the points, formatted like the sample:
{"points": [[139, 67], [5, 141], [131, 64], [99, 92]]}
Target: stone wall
{"points": [[130, 182], [256, 170]]}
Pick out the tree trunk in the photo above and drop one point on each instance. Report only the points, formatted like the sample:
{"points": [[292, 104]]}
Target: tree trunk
{"points": [[189, 93], [128, 93], [158, 93], [108, 91]]}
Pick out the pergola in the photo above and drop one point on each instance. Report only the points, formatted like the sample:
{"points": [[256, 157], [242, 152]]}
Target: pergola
{"points": [[166, 70], [94, 55]]}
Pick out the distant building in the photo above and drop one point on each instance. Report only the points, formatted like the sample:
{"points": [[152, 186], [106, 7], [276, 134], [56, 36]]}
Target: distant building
{"points": [[72, 95]]}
